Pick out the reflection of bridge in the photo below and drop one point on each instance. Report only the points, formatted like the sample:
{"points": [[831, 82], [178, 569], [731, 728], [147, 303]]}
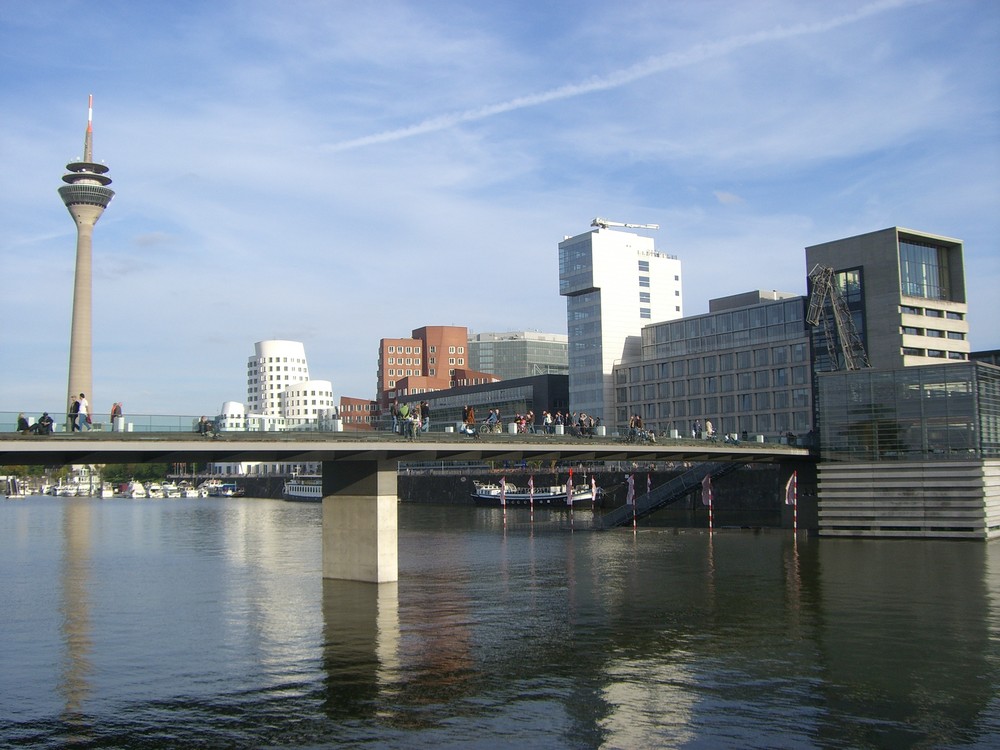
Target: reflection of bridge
{"points": [[359, 471]]}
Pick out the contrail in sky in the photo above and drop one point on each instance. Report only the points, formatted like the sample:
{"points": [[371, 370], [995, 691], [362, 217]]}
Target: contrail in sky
{"points": [[624, 76]]}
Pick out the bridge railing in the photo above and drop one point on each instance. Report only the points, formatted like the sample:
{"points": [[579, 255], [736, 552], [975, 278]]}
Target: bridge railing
{"points": [[103, 422]]}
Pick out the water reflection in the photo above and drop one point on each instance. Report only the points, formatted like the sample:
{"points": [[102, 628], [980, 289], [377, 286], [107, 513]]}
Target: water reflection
{"points": [[75, 626], [173, 620]]}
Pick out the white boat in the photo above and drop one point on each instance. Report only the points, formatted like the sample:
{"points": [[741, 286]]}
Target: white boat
{"points": [[304, 489], [488, 493], [66, 490], [171, 490], [135, 490], [155, 491], [107, 491]]}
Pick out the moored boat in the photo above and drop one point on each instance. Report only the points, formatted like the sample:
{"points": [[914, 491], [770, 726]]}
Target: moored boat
{"points": [[488, 493], [303, 489], [135, 490]]}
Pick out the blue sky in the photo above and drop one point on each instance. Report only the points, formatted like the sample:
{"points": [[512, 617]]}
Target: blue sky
{"points": [[339, 172]]}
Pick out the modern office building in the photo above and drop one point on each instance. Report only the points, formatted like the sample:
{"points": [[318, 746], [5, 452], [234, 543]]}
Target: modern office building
{"points": [[615, 282], [906, 293], [86, 194], [519, 354], [744, 366]]}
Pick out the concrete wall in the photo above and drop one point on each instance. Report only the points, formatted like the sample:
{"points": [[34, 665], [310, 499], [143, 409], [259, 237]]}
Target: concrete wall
{"points": [[945, 499]]}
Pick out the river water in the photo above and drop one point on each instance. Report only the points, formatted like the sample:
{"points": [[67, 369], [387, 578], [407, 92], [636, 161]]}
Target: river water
{"points": [[169, 623]]}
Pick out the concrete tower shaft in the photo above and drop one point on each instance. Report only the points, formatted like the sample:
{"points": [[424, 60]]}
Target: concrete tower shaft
{"points": [[86, 195]]}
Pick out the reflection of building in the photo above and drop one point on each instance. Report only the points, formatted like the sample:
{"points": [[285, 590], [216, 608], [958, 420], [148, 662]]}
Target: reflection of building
{"points": [[615, 283], [744, 366], [519, 354]]}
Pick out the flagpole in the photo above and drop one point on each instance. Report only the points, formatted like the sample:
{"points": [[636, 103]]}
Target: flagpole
{"points": [[503, 501], [792, 498]]}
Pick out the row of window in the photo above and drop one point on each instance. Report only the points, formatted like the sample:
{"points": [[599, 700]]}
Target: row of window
{"points": [[929, 312], [933, 333], [935, 353]]}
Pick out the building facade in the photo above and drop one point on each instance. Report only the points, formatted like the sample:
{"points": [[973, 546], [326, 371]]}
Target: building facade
{"points": [[427, 361], [279, 389], [906, 293], [911, 452], [615, 282], [519, 354], [744, 367]]}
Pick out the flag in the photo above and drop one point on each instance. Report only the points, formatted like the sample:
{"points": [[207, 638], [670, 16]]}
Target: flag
{"points": [[706, 490], [569, 489], [630, 497], [649, 483], [593, 488], [503, 491], [792, 489], [531, 488]]}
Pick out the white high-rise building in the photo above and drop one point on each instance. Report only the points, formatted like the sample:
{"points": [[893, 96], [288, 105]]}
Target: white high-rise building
{"points": [[615, 282], [279, 387]]}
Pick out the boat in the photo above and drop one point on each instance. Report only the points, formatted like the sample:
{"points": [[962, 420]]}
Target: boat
{"points": [[155, 491], [231, 490], [135, 490], [307, 489], [171, 490], [66, 490], [107, 491], [488, 493]]}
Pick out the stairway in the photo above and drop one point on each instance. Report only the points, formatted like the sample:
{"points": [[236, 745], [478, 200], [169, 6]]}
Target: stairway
{"points": [[665, 494]]}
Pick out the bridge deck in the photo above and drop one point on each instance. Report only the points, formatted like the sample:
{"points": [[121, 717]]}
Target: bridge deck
{"points": [[297, 447]]}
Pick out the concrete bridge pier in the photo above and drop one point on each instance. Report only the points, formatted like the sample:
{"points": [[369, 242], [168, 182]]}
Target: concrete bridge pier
{"points": [[360, 521]]}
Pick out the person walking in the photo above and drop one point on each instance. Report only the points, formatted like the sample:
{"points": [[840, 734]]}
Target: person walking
{"points": [[84, 412], [74, 414]]}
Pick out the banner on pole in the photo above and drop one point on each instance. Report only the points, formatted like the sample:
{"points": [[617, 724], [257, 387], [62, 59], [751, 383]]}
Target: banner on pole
{"points": [[792, 489], [706, 491], [630, 497]]}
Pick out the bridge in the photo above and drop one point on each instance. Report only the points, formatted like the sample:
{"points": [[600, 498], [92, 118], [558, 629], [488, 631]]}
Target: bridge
{"points": [[360, 470]]}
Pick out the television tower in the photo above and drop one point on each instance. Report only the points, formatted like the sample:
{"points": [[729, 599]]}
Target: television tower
{"points": [[86, 195]]}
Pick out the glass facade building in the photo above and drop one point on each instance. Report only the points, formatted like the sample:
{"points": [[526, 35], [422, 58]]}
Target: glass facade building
{"points": [[934, 412], [519, 354], [745, 368]]}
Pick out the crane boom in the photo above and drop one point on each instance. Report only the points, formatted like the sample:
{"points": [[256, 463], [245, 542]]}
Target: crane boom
{"points": [[824, 291], [605, 223]]}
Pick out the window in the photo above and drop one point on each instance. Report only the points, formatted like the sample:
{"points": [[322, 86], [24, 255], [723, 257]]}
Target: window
{"points": [[644, 265], [644, 297], [644, 281]]}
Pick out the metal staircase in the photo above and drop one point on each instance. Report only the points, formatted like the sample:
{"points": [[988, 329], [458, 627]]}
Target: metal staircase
{"points": [[665, 494]]}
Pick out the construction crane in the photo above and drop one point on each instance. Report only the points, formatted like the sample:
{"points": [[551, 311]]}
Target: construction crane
{"points": [[825, 294], [604, 224]]}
